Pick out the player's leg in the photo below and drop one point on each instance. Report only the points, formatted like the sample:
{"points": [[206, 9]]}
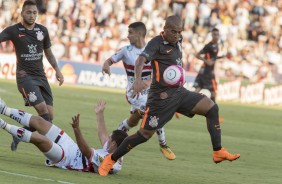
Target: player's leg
{"points": [[198, 84], [138, 106], [197, 90], [48, 98], [212, 89], [213, 95], [34, 92], [154, 118], [130, 122], [43, 111], [128, 143], [136, 110], [25, 119], [164, 148], [202, 105], [51, 150]]}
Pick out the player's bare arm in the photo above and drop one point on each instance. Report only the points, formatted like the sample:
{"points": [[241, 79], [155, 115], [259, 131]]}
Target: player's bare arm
{"points": [[106, 67], [138, 84], [147, 82], [206, 61], [52, 60], [81, 142], [102, 130]]}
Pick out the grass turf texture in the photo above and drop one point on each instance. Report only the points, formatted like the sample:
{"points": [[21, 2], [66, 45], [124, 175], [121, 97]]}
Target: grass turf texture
{"points": [[254, 131]]}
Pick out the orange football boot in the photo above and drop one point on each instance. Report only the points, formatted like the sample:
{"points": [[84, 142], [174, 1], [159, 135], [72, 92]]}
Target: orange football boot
{"points": [[223, 154], [106, 165], [167, 152]]}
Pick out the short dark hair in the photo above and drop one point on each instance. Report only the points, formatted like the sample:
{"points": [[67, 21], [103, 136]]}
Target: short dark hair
{"points": [[139, 26], [28, 3], [118, 136], [215, 29]]}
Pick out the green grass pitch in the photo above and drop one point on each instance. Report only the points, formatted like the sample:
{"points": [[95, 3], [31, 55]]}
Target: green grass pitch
{"points": [[254, 131]]}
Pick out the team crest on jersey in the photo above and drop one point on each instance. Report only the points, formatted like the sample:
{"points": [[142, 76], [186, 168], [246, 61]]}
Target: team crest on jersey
{"points": [[40, 36], [32, 97], [154, 121], [129, 48], [32, 49]]}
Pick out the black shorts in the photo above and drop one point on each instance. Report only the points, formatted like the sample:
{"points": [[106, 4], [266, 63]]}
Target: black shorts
{"points": [[160, 111], [205, 82], [35, 90]]}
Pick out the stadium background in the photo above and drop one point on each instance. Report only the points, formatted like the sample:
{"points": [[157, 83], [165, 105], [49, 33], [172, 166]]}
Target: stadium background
{"points": [[84, 33], [253, 130]]}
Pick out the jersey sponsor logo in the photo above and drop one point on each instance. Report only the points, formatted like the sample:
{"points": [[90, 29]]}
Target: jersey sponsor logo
{"points": [[40, 35], [32, 48], [32, 55], [168, 51], [21, 29], [36, 29], [32, 97], [21, 35], [154, 121]]}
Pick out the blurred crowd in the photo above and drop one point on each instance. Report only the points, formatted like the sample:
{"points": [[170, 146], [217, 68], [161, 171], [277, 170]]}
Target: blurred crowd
{"points": [[92, 30]]}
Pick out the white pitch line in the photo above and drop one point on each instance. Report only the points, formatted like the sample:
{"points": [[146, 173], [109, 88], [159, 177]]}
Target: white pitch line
{"points": [[35, 177]]}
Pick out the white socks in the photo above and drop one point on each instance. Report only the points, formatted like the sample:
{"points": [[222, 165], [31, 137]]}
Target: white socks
{"points": [[18, 115], [160, 132], [124, 126], [19, 132], [161, 136]]}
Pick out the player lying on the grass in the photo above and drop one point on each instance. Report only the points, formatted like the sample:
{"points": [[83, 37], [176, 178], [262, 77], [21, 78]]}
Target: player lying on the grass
{"points": [[58, 147]]}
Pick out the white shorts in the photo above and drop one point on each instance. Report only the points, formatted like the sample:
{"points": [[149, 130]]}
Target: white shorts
{"points": [[137, 103], [73, 158]]}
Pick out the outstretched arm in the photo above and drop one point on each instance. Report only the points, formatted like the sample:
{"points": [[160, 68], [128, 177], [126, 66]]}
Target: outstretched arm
{"points": [[102, 130], [106, 67], [51, 58], [81, 142], [207, 61]]}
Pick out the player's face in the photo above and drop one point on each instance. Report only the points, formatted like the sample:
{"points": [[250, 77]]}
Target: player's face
{"points": [[172, 33], [112, 146], [29, 14], [133, 36], [215, 36]]}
